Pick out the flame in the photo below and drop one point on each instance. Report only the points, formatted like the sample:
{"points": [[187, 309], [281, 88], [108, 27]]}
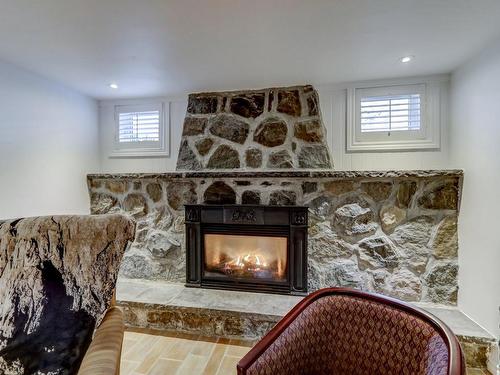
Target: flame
{"points": [[246, 256]]}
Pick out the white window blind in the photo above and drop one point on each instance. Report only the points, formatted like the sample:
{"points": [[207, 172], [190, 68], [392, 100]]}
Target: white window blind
{"points": [[139, 126], [390, 113]]}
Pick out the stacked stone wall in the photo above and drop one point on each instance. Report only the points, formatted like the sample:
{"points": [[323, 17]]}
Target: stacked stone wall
{"points": [[391, 232], [275, 128]]}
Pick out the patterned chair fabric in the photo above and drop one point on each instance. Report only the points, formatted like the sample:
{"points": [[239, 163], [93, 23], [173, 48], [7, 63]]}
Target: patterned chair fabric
{"points": [[57, 279], [346, 332]]}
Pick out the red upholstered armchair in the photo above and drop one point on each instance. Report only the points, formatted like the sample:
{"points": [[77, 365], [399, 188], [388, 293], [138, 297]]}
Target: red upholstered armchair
{"points": [[344, 332]]}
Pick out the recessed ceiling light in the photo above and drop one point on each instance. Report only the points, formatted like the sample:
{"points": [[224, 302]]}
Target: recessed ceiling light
{"points": [[406, 59], [113, 86]]}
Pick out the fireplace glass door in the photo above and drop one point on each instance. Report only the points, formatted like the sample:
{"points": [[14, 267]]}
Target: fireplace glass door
{"points": [[250, 258]]}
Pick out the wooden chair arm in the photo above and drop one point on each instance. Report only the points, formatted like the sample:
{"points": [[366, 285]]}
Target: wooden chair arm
{"points": [[104, 353]]}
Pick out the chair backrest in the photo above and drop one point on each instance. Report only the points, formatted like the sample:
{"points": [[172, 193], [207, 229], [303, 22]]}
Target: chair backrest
{"points": [[57, 279], [344, 331]]}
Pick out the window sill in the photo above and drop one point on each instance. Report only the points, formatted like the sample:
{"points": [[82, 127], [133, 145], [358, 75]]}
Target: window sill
{"points": [[365, 146], [138, 154]]}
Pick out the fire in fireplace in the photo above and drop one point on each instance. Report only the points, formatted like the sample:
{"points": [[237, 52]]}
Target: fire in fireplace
{"points": [[257, 248], [249, 257]]}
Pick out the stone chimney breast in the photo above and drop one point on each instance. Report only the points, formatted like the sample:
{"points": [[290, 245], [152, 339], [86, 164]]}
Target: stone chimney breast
{"points": [[274, 128]]}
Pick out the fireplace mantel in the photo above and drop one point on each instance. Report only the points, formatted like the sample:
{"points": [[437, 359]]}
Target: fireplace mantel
{"points": [[421, 173]]}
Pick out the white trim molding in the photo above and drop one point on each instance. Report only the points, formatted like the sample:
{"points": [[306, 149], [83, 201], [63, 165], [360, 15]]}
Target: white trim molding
{"points": [[143, 149], [428, 137]]}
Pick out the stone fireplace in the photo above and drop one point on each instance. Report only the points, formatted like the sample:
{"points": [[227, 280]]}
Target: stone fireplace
{"points": [[392, 232], [244, 247]]}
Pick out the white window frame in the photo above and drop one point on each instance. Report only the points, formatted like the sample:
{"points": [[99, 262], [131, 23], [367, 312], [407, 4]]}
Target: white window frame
{"points": [[426, 138], [144, 148]]}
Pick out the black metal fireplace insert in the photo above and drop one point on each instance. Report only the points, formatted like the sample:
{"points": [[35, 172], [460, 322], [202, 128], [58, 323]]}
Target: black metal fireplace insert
{"points": [[246, 247]]}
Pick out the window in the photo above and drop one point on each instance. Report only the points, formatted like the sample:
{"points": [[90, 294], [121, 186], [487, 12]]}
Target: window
{"points": [[139, 126], [390, 113], [391, 118], [140, 130]]}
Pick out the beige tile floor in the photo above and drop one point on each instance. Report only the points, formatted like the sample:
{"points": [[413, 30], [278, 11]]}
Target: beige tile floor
{"points": [[148, 352], [152, 353]]}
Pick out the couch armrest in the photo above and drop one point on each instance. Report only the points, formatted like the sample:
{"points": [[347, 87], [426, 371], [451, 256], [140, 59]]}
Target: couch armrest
{"points": [[104, 353]]}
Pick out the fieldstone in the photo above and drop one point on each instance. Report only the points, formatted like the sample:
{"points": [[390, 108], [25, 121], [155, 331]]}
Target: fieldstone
{"points": [[180, 193], [280, 159], [162, 219], [187, 159], [443, 197], [282, 198], [309, 131], [314, 157], [250, 197], [230, 128], [442, 283], [321, 206], [377, 252], [94, 183], [140, 235], [476, 352], [202, 104], [412, 238], [136, 205], [340, 273], [136, 266], [402, 284], [312, 105], [248, 105], [271, 132], [224, 157], [289, 102], [160, 244], [102, 203], [309, 187], [155, 191], [445, 239], [117, 186], [194, 126], [338, 187], [253, 158], [391, 217], [406, 190], [204, 145], [355, 220], [219, 193], [324, 244], [379, 191]]}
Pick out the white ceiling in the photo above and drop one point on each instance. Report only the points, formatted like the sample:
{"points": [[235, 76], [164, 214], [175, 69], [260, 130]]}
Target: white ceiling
{"points": [[162, 47]]}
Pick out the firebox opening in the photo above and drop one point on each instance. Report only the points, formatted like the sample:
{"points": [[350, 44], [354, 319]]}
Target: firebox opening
{"points": [[246, 257]]}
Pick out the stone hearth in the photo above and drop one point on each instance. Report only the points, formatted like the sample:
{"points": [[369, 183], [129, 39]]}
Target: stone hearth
{"points": [[242, 315], [390, 232]]}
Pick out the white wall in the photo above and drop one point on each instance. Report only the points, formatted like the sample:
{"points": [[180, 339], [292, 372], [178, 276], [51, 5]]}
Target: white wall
{"points": [[48, 143], [475, 147], [333, 108]]}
